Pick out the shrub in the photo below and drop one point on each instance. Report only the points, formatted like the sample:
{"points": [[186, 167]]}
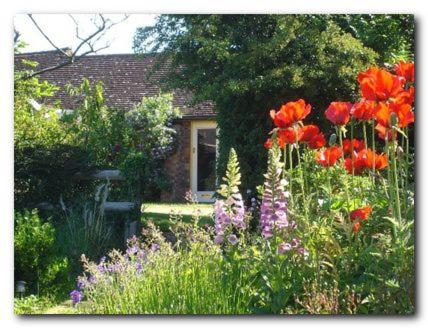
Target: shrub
{"points": [[46, 173], [32, 304], [36, 260]]}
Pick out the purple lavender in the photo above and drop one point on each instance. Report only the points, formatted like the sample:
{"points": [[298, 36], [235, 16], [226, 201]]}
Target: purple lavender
{"points": [[155, 247], [139, 268], [76, 297], [82, 282]]}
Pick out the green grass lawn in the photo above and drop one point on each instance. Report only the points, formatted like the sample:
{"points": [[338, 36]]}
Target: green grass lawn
{"points": [[160, 213]]}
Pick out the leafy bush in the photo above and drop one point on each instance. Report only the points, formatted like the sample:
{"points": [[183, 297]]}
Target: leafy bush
{"points": [[37, 261], [50, 150], [152, 119], [46, 173]]}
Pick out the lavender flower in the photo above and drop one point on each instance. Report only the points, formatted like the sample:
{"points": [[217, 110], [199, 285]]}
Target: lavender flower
{"points": [[218, 239], [82, 282], [232, 239], [76, 297], [139, 268], [154, 247], [92, 280], [132, 250]]}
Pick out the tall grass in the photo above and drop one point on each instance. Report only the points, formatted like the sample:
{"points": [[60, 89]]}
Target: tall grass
{"points": [[85, 228], [193, 279]]}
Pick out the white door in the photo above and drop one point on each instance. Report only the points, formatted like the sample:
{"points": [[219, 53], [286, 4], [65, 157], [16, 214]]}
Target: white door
{"points": [[204, 153]]}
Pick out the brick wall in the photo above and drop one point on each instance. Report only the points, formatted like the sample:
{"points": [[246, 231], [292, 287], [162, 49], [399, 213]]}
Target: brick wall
{"points": [[178, 165]]}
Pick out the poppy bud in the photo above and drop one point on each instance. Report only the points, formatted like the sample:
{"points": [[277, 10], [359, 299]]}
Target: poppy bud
{"points": [[400, 152], [332, 139], [394, 119]]}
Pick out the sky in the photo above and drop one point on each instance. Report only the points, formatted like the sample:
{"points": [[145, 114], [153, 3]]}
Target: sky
{"points": [[60, 28]]}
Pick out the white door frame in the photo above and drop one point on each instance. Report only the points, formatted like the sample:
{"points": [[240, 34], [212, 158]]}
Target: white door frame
{"points": [[203, 196]]}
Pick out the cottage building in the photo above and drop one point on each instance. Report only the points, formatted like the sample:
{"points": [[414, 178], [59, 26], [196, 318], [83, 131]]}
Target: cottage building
{"points": [[127, 78]]}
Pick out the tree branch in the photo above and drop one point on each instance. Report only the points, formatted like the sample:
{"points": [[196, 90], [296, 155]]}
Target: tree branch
{"points": [[16, 35], [89, 41]]}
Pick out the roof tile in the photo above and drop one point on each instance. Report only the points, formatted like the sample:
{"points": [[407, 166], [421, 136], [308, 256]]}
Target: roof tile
{"points": [[126, 78]]}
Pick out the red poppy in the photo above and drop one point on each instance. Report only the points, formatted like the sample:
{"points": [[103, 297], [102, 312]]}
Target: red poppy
{"points": [[289, 136], [379, 84], [358, 167], [338, 112], [379, 161], [364, 110], [356, 145], [290, 113], [384, 131], [328, 156], [268, 143], [356, 227], [404, 113], [317, 141], [406, 97], [361, 214], [406, 70], [309, 132], [280, 119]]}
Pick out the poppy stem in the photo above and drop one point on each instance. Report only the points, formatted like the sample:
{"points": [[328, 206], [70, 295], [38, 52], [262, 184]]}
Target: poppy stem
{"points": [[284, 169], [365, 134], [390, 185], [406, 171], [339, 133], [302, 181], [374, 150], [290, 160], [352, 159], [396, 187]]}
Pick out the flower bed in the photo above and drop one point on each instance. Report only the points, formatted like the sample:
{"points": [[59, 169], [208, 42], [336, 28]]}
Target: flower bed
{"points": [[331, 231]]}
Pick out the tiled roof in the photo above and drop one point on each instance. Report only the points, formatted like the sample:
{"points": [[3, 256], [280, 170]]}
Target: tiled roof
{"points": [[126, 79]]}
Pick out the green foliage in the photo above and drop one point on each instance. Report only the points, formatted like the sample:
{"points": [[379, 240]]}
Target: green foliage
{"points": [[248, 64], [45, 172], [96, 127], [35, 126], [36, 259], [391, 36], [32, 304], [152, 118], [152, 141], [50, 150]]}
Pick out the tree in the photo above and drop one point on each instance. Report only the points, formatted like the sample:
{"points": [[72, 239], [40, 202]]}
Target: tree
{"points": [[391, 36], [248, 64]]}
